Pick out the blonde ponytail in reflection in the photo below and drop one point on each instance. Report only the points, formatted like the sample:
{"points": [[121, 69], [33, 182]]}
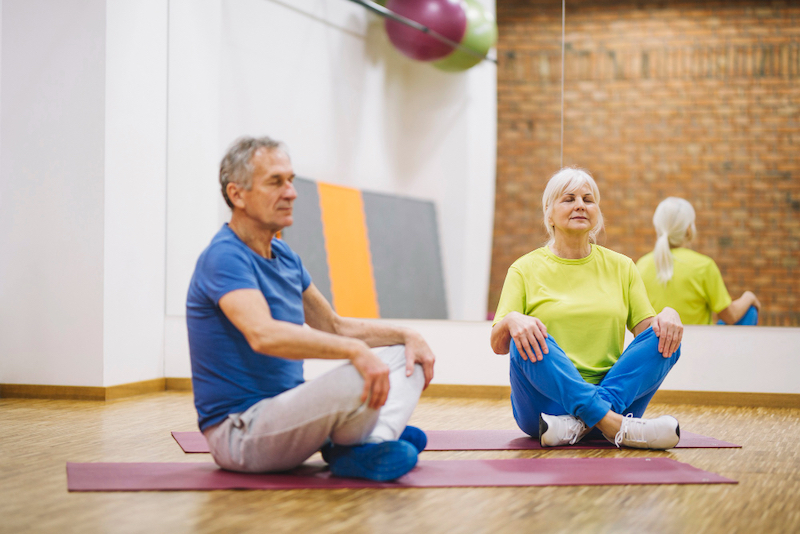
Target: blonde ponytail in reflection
{"points": [[674, 224]]}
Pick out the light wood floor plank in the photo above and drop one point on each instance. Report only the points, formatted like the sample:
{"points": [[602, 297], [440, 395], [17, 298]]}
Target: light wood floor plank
{"points": [[40, 436]]}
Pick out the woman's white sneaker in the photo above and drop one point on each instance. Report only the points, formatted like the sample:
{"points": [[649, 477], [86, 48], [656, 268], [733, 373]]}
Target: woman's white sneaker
{"points": [[660, 433], [557, 430]]}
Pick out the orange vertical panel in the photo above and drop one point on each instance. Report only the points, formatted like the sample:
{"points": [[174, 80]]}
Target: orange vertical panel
{"points": [[349, 261]]}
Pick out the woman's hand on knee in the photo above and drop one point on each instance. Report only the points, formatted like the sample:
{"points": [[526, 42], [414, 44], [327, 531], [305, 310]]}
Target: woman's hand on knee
{"points": [[529, 334], [668, 327]]}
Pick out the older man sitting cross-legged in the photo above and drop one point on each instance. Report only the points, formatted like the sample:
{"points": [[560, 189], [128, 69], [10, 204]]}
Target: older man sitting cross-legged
{"points": [[248, 300]]}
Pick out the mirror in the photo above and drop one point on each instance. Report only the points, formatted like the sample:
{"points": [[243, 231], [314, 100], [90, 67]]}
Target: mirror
{"points": [[659, 101]]}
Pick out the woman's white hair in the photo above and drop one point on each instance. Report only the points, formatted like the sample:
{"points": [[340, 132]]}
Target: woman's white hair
{"points": [[568, 180], [674, 224]]}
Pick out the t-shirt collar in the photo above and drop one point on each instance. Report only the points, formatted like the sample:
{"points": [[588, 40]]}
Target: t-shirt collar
{"points": [[580, 261]]}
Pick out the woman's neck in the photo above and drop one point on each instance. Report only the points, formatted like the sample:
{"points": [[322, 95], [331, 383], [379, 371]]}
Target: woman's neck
{"points": [[571, 248]]}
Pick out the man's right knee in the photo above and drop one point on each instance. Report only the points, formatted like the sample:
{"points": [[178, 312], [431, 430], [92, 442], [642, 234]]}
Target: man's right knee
{"points": [[348, 384], [356, 420]]}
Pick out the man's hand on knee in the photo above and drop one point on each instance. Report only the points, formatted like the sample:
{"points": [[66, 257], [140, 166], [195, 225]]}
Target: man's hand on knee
{"points": [[418, 352], [376, 377]]}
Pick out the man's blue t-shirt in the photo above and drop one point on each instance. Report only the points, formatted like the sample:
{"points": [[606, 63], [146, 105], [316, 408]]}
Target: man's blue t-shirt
{"points": [[227, 375]]}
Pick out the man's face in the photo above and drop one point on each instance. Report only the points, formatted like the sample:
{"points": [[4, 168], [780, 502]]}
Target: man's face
{"points": [[270, 200]]}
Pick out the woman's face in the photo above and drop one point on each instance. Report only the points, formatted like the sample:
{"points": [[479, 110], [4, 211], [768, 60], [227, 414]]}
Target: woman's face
{"points": [[575, 212]]}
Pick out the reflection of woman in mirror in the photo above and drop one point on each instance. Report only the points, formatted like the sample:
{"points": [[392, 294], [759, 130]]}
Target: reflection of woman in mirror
{"points": [[562, 316], [686, 280]]}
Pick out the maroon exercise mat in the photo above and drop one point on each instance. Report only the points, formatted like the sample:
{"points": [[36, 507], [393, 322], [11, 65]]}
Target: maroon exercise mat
{"points": [[191, 441], [486, 440], [490, 440], [427, 474]]}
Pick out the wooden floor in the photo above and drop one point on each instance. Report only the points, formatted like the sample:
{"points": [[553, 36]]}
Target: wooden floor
{"points": [[40, 436]]}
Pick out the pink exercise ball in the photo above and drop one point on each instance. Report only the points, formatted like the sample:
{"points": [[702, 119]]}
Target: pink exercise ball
{"points": [[446, 17]]}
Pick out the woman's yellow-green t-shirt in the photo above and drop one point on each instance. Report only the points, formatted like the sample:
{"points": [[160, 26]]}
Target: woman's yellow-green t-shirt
{"points": [[696, 288], [585, 304]]}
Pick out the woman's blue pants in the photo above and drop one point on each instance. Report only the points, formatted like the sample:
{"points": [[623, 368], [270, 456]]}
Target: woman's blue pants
{"points": [[554, 386]]}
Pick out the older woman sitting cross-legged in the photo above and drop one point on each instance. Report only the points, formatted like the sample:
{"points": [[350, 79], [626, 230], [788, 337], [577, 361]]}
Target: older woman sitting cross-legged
{"points": [[562, 316]]}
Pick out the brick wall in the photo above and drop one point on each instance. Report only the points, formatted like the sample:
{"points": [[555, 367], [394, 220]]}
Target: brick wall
{"points": [[662, 98]]}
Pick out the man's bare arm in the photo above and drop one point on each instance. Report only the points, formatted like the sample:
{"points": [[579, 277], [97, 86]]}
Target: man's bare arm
{"points": [[320, 315], [247, 309]]}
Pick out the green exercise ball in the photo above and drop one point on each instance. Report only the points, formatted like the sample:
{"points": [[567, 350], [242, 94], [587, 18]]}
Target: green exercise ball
{"points": [[480, 36]]}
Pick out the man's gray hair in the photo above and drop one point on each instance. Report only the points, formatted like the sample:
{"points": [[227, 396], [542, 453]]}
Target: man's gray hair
{"points": [[236, 167]]}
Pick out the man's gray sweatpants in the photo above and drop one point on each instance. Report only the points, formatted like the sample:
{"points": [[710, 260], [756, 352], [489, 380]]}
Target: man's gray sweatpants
{"points": [[281, 432]]}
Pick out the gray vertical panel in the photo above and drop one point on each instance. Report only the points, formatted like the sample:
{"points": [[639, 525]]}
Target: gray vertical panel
{"points": [[406, 259], [306, 237]]}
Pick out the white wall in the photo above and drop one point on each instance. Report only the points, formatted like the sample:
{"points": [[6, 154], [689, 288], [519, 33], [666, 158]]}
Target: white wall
{"points": [[83, 191], [194, 203], [463, 354], [51, 192], [761, 360], [322, 76], [135, 190], [114, 116], [713, 358], [194, 147]]}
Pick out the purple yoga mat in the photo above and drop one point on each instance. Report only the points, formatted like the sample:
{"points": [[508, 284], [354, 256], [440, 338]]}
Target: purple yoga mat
{"points": [[191, 441], [486, 440], [427, 474], [490, 440]]}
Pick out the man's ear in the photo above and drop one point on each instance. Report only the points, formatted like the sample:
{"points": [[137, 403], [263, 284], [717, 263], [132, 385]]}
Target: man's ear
{"points": [[235, 195]]}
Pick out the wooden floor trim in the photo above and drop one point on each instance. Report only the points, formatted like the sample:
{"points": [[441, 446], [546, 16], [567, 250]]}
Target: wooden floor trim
{"points": [[728, 398], [700, 398], [468, 392], [36, 391], [135, 388], [179, 384]]}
